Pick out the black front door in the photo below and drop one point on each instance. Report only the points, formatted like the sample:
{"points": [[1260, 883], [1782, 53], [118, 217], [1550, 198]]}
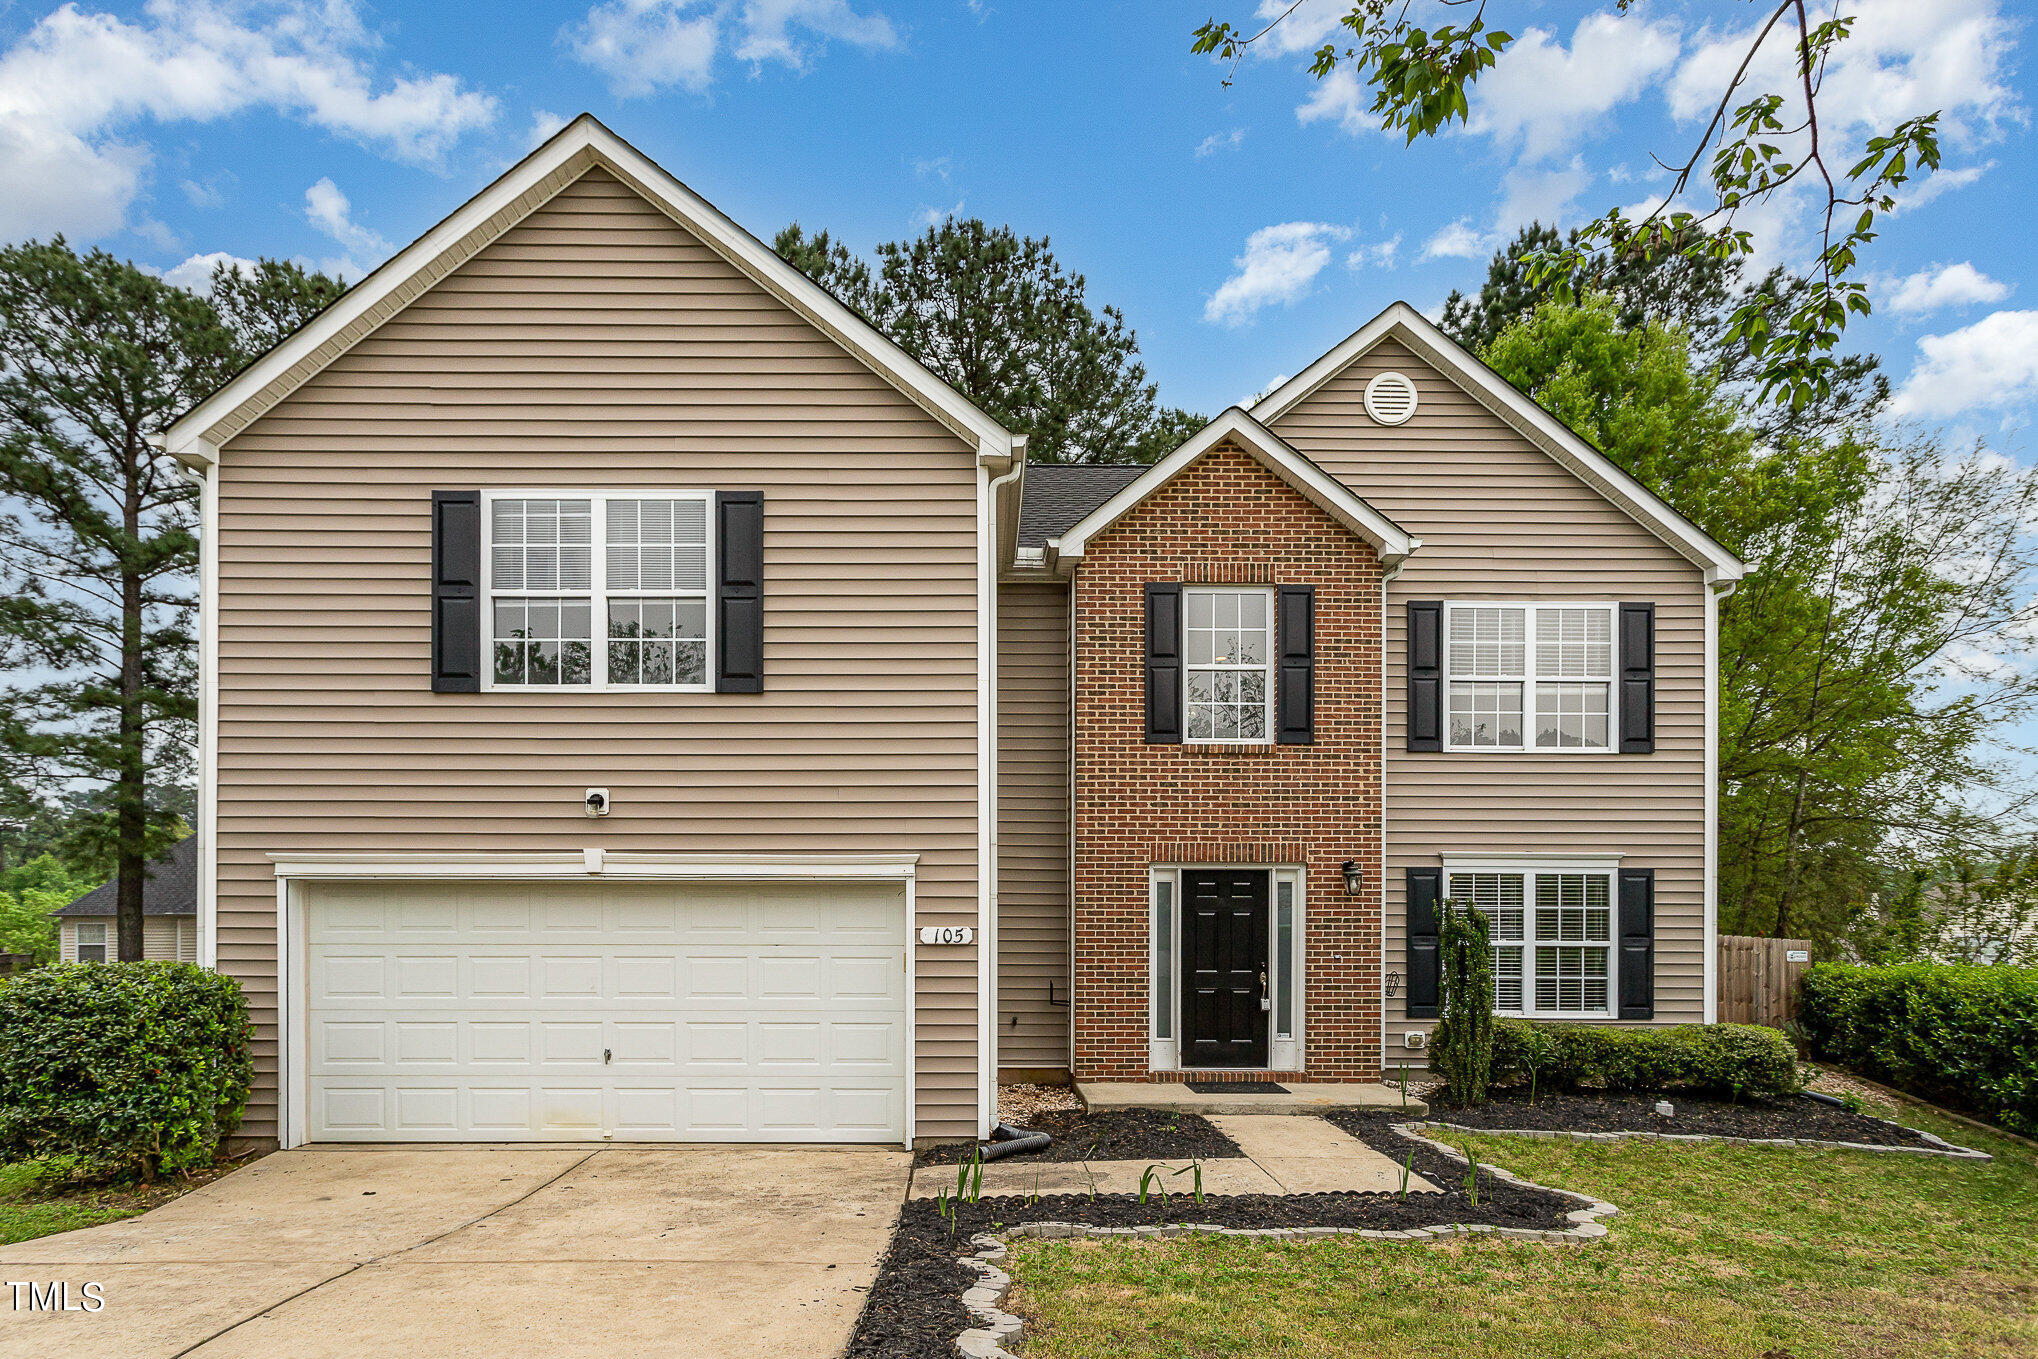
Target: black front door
{"points": [[1224, 967]]}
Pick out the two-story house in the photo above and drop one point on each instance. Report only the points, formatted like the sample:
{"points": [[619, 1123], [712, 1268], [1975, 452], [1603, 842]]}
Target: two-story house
{"points": [[642, 702]]}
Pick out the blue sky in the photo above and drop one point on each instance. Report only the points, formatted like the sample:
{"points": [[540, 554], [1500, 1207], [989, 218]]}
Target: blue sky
{"points": [[1243, 229]]}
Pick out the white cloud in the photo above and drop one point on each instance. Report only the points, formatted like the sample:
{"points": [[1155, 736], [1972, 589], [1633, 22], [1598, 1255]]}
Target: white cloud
{"points": [[194, 275], [1992, 363], [1459, 241], [928, 217], [1901, 60], [1378, 255], [209, 192], [77, 85], [544, 123], [1543, 98], [1530, 195], [1312, 23], [1939, 286], [326, 208], [939, 167], [1219, 141], [643, 46], [1279, 264], [1940, 182], [1338, 97]]}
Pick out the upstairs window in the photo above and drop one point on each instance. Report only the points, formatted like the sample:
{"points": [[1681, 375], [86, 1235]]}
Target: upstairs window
{"points": [[1529, 676], [634, 566], [1227, 635]]}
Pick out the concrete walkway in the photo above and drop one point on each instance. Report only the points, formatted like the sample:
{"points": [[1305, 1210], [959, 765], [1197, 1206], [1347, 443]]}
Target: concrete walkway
{"points": [[1283, 1155], [542, 1252]]}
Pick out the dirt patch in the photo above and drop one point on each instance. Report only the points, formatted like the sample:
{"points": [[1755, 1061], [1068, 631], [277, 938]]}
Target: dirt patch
{"points": [[1114, 1135], [133, 1196], [1022, 1104], [1791, 1117]]}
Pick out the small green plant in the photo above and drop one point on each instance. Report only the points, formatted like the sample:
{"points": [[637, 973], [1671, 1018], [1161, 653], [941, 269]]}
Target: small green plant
{"points": [[1407, 1169], [1154, 1180], [1195, 1165], [945, 1208], [969, 1177], [1090, 1175], [1471, 1174], [1855, 1104], [1404, 1084], [1033, 1195]]}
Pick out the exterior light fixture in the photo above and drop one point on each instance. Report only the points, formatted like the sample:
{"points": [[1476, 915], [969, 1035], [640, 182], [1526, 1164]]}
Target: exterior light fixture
{"points": [[1354, 879]]}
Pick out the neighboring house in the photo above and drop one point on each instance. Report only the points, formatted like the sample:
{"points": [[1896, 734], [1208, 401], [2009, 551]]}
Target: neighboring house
{"points": [[87, 932], [640, 701]]}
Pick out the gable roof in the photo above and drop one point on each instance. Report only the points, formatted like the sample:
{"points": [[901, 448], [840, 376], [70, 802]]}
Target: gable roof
{"points": [[1058, 495], [580, 146], [171, 887], [1277, 456], [1404, 323]]}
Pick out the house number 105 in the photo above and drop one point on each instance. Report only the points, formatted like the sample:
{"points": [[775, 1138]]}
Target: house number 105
{"points": [[948, 934]]}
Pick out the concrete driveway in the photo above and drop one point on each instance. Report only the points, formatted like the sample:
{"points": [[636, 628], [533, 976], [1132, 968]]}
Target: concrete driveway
{"points": [[483, 1251]]}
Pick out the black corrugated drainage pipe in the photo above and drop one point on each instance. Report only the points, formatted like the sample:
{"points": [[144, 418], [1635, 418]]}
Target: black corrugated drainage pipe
{"points": [[1007, 1140]]}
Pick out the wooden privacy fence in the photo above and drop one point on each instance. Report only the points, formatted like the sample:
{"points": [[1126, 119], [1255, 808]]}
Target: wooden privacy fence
{"points": [[1758, 978]]}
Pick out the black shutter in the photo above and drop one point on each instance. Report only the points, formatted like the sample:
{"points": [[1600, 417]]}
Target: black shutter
{"points": [[456, 592], [1164, 663], [1637, 943], [1425, 675], [1425, 964], [1637, 679], [739, 592], [1297, 677]]}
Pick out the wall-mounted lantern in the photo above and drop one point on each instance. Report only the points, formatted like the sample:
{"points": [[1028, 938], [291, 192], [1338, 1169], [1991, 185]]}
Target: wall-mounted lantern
{"points": [[1354, 879]]}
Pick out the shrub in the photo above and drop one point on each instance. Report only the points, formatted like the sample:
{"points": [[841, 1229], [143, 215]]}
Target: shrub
{"points": [[1965, 1036], [1722, 1059], [129, 1067], [1462, 1046]]}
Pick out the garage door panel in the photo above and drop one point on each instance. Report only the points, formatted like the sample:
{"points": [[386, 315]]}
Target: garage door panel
{"points": [[534, 1011]]}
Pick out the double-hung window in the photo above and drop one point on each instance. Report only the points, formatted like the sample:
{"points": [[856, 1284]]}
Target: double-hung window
{"points": [[1228, 635], [1552, 934], [1529, 676], [91, 943], [598, 591]]}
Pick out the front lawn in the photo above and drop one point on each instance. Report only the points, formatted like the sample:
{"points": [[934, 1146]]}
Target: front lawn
{"points": [[1737, 1252], [34, 1203]]}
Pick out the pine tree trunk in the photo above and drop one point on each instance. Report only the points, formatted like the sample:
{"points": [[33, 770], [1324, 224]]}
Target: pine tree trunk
{"points": [[130, 793]]}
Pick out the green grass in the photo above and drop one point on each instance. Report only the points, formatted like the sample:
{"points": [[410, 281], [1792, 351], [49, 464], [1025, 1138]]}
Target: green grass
{"points": [[1753, 1253], [30, 1207]]}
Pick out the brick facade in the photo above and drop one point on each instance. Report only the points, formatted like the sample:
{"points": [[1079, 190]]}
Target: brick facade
{"points": [[1227, 519]]}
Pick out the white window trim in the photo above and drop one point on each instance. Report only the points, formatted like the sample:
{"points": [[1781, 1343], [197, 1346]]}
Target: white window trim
{"points": [[598, 593], [1283, 1054], [78, 941], [1267, 668], [1528, 681], [1528, 866]]}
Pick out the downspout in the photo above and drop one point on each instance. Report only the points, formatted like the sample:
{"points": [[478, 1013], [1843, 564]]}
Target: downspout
{"points": [[1001, 532]]}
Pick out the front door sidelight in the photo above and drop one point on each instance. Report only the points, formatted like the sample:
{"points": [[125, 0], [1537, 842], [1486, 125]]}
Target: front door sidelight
{"points": [[1224, 967]]}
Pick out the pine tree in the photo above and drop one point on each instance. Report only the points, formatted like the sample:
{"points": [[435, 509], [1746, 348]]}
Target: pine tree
{"points": [[98, 530], [995, 316]]}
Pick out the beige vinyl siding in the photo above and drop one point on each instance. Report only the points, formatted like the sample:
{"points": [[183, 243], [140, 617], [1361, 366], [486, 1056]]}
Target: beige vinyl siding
{"points": [[597, 346], [165, 938], [1033, 826], [1499, 519]]}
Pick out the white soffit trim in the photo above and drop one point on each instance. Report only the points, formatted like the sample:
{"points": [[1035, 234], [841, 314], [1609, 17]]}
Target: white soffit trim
{"points": [[1535, 424], [1325, 491], [611, 864], [1478, 861], [578, 147]]}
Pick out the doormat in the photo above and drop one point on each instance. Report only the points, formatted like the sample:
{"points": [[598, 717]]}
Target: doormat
{"points": [[1237, 1087]]}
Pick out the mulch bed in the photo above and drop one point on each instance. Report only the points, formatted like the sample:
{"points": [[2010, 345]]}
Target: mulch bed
{"points": [[1790, 1117], [1115, 1135], [915, 1306]]}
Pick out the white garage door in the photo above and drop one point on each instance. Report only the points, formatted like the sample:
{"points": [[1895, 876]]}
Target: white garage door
{"points": [[572, 1011]]}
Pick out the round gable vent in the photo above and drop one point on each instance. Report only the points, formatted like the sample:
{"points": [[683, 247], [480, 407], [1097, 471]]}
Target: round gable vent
{"points": [[1390, 398]]}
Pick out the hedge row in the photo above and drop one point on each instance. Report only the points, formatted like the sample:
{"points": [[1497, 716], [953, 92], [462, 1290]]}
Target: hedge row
{"points": [[1961, 1036], [128, 1067], [1720, 1059]]}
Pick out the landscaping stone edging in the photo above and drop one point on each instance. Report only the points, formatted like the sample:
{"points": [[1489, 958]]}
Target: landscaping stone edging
{"points": [[1940, 1146], [999, 1327]]}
